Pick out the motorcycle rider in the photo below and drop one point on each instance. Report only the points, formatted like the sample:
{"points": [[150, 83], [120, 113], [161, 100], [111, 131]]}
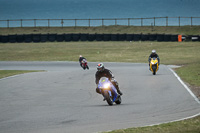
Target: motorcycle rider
{"points": [[103, 72], [80, 59], [152, 55]]}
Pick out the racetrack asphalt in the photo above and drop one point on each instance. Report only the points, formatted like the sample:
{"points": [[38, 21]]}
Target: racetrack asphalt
{"points": [[63, 98]]}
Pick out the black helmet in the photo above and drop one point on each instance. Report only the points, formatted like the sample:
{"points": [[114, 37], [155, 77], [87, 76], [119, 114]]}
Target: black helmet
{"points": [[100, 67]]}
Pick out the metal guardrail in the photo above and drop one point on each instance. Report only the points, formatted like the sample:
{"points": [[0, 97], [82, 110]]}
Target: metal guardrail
{"points": [[153, 21]]}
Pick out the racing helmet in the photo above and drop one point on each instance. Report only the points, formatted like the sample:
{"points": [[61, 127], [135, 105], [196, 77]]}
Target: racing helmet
{"points": [[153, 51], [80, 56], [100, 67]]}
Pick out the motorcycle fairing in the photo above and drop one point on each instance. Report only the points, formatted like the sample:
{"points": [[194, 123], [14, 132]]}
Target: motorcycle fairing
{"points": [[111, 89]]}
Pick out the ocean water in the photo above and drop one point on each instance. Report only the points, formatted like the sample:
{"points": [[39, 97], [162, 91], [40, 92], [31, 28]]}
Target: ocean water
{"points": [[98, 9]]}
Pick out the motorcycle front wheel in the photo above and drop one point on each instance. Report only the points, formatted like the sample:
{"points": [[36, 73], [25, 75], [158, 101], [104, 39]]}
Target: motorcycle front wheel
{"points": [[154, 70], [108, 99]]}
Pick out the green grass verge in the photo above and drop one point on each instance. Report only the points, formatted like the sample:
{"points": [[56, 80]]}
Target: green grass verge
{"points": [[186, 126], [7, 73], [184, 30]]}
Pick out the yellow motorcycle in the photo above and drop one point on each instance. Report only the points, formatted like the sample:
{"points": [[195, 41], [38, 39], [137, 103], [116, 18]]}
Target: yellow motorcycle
{"points": [[154, 65]]}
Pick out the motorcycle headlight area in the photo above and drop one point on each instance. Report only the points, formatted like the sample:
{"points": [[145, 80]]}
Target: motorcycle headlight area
{"points": [[106, 85]]}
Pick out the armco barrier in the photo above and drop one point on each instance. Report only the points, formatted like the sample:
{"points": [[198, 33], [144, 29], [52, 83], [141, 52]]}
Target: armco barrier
{"points": [[12, 38], [28, 38]]}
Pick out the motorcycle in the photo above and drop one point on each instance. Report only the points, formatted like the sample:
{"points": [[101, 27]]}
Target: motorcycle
{"points": [[84, 64], [154, 65], [109, 91]]}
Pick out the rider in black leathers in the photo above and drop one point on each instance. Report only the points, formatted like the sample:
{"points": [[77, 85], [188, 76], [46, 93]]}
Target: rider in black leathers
{"points": [[152, 55], [80, 59], [102, 72]]}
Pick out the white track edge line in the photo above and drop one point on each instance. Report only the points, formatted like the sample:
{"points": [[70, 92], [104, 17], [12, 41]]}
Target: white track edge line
{"points": [[185, 86]]}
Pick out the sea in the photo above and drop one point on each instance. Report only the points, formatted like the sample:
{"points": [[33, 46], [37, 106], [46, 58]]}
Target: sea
{"points": [[64, 12]]}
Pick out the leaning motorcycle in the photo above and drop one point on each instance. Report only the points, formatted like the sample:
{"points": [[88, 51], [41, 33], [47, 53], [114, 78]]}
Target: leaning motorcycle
{"points": [[109, 91], [84, 64], [154, 65]]}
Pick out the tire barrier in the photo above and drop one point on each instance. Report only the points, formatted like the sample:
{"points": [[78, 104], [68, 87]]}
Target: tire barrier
{"points": [[68, 37], [144, 37], [83, 37], [60, 38], [52, 37], [193, 38], [114, 37], [174, 38], [95, 37], [160, 37], [36, 38], [137, 37], [75, 37], [129, 37], [99, 37], [167, 38], [20, 38], [121, 37], [152, 37], [28, 38], [4, 39], [12, 38], [91, 37], [106, 37], [44, 37]]}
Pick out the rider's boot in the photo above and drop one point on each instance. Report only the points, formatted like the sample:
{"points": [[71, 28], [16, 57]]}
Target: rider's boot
{"points": [[118, 91]]}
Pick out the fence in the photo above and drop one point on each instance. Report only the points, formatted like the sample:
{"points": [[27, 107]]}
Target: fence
{"points": [[93, 37], [153, 21]]}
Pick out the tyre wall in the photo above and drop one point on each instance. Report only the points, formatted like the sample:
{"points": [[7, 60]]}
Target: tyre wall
{"points": [[93, 37]]}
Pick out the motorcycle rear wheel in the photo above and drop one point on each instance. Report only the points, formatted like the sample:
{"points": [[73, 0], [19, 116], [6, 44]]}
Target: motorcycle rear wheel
{"points": [[119, 100]]}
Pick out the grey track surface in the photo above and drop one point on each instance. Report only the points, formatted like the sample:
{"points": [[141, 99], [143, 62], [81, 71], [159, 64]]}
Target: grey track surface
{"points": [[62, 99]]}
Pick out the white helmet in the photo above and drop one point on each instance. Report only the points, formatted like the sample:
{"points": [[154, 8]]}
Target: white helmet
{"points": [[153, 51], [100, 67]]}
